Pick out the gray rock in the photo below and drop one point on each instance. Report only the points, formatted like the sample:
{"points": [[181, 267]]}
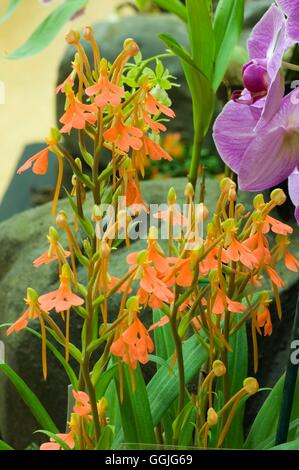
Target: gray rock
{"points": [[22, 239], [144, 29]]}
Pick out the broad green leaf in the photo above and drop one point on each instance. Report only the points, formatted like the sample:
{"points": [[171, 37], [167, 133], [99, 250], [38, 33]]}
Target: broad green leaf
{"points": [[237, 372], [55, 438], [5, 446], [135, 411], [203, 97], [265, 423], [164, 345], [30, 399], [102, 382], [201, 35], [228, 25], [173, 6], [48, 29], [293, 445], [105, 441], [183, 426], [12, 6], [163, 388]]}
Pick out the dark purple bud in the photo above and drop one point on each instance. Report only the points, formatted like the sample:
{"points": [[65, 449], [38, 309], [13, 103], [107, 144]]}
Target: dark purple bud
{"points": [[255, 77]]}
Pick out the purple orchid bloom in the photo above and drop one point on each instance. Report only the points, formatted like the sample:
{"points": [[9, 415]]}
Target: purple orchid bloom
{"points": [[264, 157], [291, 9], [294, 191], [264, 84]]}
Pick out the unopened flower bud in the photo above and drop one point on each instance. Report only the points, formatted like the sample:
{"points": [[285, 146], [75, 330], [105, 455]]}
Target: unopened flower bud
{"points": [[72, 37], [87, 247], [88, 33], [61, 219], [54, 137], [78, 163], [74, 180], [278, 196], [240, 209], [226, 184], [219, 368], [131, 47], [251, 385], [102, 406], [32, 295], [53, 234], [171, 198], [96, 215], [228, 225], [212, 417], [133, 304], [258, 201], [232, 195], [189, 191]]}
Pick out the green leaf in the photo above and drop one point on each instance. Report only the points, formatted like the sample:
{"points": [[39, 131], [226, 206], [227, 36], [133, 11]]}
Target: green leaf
{"points": [[228, 25], [5, 446], [164, 344], [31, 400], [237, 372], [135, 409], [293, 445], [101, 383], [48, 29], [105, 441], [12, 6], [201, 35], [163, 388], [173, 6], [263, 431], [183, 426], [203, 97]]}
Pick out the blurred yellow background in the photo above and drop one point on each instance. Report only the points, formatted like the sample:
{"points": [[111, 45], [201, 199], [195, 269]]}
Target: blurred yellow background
{"points": [[29, 111]]}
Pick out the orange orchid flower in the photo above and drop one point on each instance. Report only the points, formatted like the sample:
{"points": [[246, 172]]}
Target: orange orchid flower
{"points": [[290, 261], [82, 407], [274, 276], [61, 299], [30, 314], [61, 87], [238, 251], [155, 126], [39, 162], [222, 303], [154, 107], [177, 217], [134, 200], [105, 91], [133, 345], [163, 321], [77, 115], [264, 320], [53, 445], [154, 150], [125, 137], [276, 226], [55, 251]]}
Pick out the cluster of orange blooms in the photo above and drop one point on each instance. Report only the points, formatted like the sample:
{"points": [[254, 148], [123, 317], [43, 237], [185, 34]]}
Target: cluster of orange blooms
{"points": [[201, 280]]}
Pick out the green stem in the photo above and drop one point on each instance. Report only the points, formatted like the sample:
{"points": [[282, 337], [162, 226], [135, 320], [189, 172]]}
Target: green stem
{"points": [[197, 141], [288, 389]]}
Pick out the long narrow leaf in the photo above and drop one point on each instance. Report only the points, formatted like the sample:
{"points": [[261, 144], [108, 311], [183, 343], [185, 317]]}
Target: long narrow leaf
{"points": [[12, 6], [5, 446], [201, 35], [227, 27], [31, 400], [135, 410], [48, 29], [173, 6]]}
